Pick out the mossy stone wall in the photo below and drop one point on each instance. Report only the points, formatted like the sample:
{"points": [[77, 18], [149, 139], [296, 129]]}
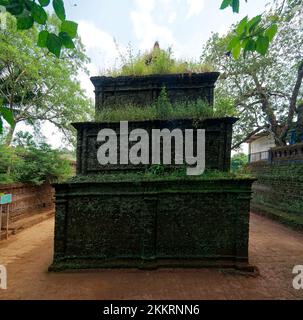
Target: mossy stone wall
{"points": [[152, 224], [144, 90], [218, 142], [278, 192]]}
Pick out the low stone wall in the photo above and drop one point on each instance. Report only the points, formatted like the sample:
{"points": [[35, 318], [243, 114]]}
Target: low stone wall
{"points": [[278, 192], [28, 199], [287, 154]]}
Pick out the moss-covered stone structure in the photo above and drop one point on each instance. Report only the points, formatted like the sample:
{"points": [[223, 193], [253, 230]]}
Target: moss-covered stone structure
{"points": [[119, 216], [218, 142], [144, 90]]}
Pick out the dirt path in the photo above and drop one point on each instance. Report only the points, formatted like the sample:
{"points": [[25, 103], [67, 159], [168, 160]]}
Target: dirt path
{"points": [[273, 248]]}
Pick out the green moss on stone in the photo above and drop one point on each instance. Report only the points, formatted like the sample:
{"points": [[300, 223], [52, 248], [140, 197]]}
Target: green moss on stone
{"points": [[166, 176], [129, 224], [278, 192]]}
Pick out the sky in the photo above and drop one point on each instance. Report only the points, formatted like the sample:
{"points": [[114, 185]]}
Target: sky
{"points": [[184, 25]]}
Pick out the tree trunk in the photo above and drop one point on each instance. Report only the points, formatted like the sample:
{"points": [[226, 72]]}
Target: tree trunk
{"points": [[10, 135], [293, 102], [299, 129]]}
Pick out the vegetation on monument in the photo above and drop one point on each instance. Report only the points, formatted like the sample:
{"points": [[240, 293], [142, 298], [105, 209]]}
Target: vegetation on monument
{"points": [[159, 173], [36, 87], [163, 109], [266, 89], [157, 61], [30, 162]]}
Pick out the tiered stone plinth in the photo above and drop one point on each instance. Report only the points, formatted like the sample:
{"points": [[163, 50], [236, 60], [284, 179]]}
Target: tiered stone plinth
{"points": [[119, 216]]}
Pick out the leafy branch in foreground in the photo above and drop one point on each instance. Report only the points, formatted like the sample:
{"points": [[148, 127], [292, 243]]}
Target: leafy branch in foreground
{"points": [[30, 12], [256, 34], [235, 4], [251, 36]]}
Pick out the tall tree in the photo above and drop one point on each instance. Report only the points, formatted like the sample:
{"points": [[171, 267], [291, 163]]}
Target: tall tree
{"points": [[36, 86], [266, 89]]}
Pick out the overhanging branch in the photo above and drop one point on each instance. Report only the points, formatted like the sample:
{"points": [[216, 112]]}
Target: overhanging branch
{"points": [[238, 144]]}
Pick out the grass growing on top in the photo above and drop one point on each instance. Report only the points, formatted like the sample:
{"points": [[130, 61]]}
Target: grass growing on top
{"points": [[157, 61], [159, 173], [163, 109]]}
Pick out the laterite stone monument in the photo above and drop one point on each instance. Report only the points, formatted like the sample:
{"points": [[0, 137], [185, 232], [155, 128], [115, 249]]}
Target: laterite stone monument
{"points": [[115, 216]]}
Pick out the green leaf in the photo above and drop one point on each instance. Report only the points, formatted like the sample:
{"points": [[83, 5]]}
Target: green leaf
{"points": [[7, 115], [58, 6], [225, 4], [15, 7], [66, 40], [70, 28], [39, 14], [271, 32], [25, 22], [262, 45], [236, 51], [250, 45], [244, 43], [44, 3], [54, 44], [42, 38], [242, 26], [4, 2], [29, 5], [233, 42], [236, 5], [252, 24]]}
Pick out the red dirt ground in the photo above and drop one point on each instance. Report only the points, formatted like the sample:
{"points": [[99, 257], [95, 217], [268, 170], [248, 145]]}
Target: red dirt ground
{"points": [[274, 249]]}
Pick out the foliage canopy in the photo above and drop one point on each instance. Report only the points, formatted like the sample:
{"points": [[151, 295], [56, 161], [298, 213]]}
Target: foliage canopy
{"points": [[29, 162], [35, 86], [266, 89]]}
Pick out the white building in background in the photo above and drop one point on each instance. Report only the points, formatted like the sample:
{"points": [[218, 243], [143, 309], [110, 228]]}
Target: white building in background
{"points": [[259, 146]]}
